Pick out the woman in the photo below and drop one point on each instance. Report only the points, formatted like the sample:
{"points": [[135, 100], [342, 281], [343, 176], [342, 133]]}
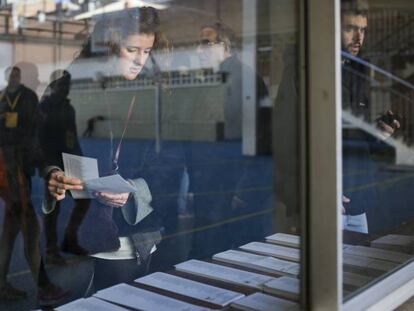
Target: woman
{"points": [[122, 234]]}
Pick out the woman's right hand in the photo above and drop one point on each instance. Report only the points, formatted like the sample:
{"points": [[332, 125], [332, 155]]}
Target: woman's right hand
{"points": [[58, 183]]}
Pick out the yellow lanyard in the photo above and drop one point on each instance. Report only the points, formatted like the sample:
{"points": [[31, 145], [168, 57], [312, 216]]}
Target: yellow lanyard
{"points": [[13, 104]]}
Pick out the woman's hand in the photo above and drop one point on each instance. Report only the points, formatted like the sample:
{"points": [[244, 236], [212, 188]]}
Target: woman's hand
{"points": [[58, 183], [112, 199]]}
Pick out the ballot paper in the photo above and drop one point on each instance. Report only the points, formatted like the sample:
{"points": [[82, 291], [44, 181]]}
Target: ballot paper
{"points": [[140, 299], [86, 169], [263, 302], [284, 239], [113, 183], [285, 287], [278, 251], [223, 273], [196, 290], [90, 304], [259, 263]]}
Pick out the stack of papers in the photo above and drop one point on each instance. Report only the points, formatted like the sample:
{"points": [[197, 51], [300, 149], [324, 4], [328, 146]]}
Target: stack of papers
{"points": [[259, 263], [263, 302], [206, 293], [284, 287], [140, 299], [284, 239], [395, 242], [223, 273], [368, 266], [267, 249], [90, 304], [353, 281], [86, 169], [376, 253]]}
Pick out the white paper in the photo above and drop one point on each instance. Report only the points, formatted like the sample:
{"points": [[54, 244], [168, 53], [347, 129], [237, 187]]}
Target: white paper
{"points": [[263, 302], [277, 251], [141, 299], [80, 167], [86, 169], [223, 273], [260, 263], [189, 288], [285, 286], [112, 183], [90, 304], [284, 239]]}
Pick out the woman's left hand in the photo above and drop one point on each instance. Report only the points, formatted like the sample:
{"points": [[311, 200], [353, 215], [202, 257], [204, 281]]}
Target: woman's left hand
{"points": [[112, 199]]}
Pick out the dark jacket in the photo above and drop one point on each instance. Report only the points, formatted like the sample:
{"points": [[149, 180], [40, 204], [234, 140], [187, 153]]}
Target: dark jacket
{"points": [[21, 136]]}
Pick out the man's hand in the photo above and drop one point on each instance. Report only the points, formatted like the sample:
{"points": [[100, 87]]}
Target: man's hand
{"points": [[388, 124], [112, 199], [58, 183]]}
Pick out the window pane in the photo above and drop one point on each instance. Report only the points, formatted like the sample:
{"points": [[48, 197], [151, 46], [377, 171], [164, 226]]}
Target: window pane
{"points": [[134, 139], [377, 95]]}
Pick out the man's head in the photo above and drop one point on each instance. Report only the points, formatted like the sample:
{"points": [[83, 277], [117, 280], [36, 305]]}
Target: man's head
{"points": [[217, 42], [13, 76], [353, 25], [60, 82]]}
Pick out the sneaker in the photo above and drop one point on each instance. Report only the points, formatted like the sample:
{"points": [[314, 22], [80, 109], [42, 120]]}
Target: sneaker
{"points": [[53, 257], [50, 295], [72, 246], [8, 292]]}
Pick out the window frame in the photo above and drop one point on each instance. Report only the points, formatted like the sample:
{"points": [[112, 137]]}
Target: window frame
{"points": [[322, 274]]}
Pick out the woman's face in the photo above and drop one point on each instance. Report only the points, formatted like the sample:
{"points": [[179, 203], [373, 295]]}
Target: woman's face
{"points": [[133, 54]]}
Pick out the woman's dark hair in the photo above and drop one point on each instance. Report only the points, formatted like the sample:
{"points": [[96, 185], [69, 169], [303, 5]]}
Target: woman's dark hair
{"points": [[111, 29]]}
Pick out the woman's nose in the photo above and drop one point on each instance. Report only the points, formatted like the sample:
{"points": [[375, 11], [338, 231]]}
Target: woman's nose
{"points": [[139, 57]]}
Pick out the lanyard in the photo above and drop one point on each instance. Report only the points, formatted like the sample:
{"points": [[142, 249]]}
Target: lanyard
{"points": [[13, 104], [118, 149]]}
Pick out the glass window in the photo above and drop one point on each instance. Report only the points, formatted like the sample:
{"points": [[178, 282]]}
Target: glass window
{"points": [[160, 143], [377, 95]]}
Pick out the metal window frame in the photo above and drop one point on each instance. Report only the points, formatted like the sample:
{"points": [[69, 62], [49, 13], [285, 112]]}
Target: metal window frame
{"points": [[321, 217], [322, 266]]}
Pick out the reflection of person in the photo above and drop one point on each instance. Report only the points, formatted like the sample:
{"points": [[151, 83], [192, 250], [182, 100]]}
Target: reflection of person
{"points": [[91, 125], [217, 50], [118, 228], [30, 79], [355, 98], [58, 134], [19, 154]]}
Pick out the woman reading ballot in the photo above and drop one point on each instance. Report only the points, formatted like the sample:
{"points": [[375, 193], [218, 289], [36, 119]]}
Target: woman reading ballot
{"points": [[120, 230]]}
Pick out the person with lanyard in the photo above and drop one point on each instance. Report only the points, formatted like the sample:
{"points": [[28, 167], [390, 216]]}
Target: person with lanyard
{"points": [[119, 230], [19, 156]]}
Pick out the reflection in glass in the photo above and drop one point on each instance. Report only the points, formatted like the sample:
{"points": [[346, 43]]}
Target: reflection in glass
{"points": [[167, 97], [377, 153]]}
